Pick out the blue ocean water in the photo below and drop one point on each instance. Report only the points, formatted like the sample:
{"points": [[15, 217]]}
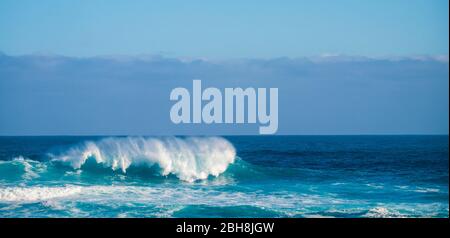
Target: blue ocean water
{"points": [[239, 176]]}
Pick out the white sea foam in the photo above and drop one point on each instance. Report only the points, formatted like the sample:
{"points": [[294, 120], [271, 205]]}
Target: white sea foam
{"points": [[161, 201], [164, 201], [161, 196], [38, 193], [189, 159]]}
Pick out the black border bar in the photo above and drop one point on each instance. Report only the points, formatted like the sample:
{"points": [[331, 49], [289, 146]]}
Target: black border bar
{"points": [[138, 227]]}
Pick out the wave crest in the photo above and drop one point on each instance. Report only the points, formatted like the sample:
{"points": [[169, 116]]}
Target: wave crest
{"points": [[190, 159]]}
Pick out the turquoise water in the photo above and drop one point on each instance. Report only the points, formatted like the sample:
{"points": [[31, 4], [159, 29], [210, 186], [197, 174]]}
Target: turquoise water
{"points": [[240, 176]]}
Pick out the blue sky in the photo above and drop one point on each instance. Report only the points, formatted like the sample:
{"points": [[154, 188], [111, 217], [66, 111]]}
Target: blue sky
{"points": [[229, 29]]}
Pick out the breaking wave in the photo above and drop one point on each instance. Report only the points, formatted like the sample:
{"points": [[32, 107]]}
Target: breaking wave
{"points": [[189, 159]]}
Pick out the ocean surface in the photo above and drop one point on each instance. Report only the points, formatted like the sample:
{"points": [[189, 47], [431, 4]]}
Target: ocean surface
{"points": [[238, 176]]}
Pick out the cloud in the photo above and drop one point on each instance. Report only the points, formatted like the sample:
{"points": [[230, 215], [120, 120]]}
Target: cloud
{"points": [[331, 94]]}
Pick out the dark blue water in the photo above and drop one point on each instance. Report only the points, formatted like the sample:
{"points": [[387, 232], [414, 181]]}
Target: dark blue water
{"points": [[242, 176]]}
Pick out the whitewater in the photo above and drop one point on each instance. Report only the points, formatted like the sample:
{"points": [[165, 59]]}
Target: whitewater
{"points": [[240, 176]]}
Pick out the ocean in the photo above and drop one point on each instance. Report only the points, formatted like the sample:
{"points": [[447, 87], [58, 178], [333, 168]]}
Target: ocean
{"points": [[235, 176]]}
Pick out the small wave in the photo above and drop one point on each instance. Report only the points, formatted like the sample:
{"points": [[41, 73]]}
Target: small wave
{"points": [[418, 189], [32, 168], [189, 159], [20, 166], [427, 190], [375, 186]]}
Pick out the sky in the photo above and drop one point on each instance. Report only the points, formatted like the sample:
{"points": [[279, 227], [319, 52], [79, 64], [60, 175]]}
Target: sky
{"points": [[108, 67], [226, 29]]}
